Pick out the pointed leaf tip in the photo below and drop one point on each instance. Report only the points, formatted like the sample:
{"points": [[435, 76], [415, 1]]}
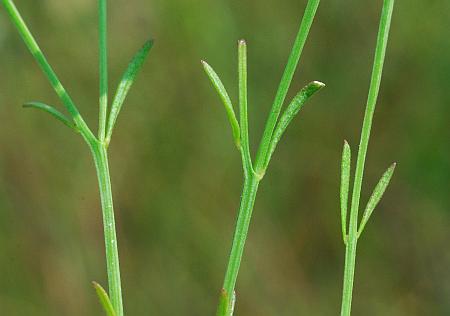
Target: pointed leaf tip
{"points": [[376, 196], [104, 299]]}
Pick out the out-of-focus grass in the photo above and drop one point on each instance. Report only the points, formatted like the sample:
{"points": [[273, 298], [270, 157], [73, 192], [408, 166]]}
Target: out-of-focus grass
{"points": [[175, 222]]}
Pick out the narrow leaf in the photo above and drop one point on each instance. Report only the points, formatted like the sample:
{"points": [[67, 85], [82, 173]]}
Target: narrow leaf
{"points": [[226, 304], [291, 111], [345, 183], [376, 197], [125, 84], [243, 102], [104, 299], [220, 88], [52, 111]]}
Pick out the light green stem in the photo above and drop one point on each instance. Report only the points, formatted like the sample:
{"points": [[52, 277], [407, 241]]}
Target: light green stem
{"points": [[252, 176], [285, 83], [240, 235], [100, 154], [98, 148], [103, 67], [350, 253]]}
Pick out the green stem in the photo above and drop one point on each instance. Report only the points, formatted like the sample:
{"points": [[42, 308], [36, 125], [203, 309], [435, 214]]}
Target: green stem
{"points": [[100, 155], [103, 67], [240, 235], [350, 254], [36, 51], [285, 83]]}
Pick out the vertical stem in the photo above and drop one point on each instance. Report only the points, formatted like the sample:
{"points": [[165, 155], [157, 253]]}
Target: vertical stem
{"points": [[286, 79], [103, 67], [240, 235], [243, 113], [112, 255], [350, 254]]}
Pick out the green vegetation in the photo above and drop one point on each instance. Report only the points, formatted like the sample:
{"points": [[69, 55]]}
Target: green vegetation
{"points": [[354, 232], [253, 173], [97, 145]]}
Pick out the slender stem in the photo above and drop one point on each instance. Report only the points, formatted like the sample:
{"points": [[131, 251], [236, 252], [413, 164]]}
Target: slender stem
{"points": [[285, 83], [350, 254], [240, 235], [112, 255], [35, 50], [242, 70], [103, 67], [98, 148]]}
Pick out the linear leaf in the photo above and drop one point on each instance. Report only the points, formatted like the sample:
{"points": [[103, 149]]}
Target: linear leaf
{"points": [[125, 84], [291, 111], [220, 88], [104, 299], [345, 183], [376, 197], [52, 111]]}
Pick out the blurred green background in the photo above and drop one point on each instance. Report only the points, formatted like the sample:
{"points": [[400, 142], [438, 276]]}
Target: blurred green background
{"points": [[177, 177]]}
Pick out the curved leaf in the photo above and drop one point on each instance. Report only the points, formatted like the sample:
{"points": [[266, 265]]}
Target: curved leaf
{"points": [[220, 88], [52, 111], [104, 299]]}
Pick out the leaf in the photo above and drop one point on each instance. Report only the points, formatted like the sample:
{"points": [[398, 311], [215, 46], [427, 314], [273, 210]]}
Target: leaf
{"points": [[104, 299], [226, 305], [376, 197], [291, 111], [125, 84], [345, 183], [52, 111], [220, 88]]}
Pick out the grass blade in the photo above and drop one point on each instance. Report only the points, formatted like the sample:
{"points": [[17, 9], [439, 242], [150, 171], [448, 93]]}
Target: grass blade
{"points": [[104, 299], [376, 197], [345, 183], [52, 111], [220, 88], [125, 84], [291, 111]]}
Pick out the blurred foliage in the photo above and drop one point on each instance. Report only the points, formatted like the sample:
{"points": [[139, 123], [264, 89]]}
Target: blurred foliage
{"points": [[176, 175]]}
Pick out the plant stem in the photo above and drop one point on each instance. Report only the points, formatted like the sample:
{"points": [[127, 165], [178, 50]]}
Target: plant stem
{"points": [[240, 235], [285, 83], [350, 253], [98, 148], [100, 155], [103, 67], [252, 176], [36, 51]]}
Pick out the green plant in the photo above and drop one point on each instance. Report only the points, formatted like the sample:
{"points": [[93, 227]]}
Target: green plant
{"points": [[97, 145], [274, 129], [354, 232]]}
